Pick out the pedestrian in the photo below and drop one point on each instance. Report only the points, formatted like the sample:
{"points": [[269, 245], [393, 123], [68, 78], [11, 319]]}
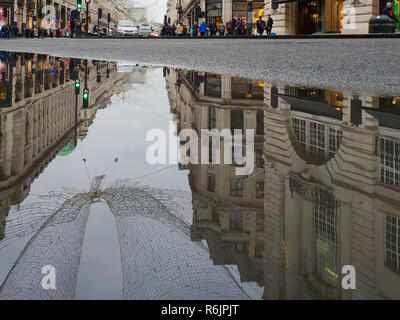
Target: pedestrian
{"points": [[221, 29], [388, 11], [3, 31], [203, 29], [213, 28], [172, 30], [230, 28], [261, 26], [184, 31], [270, 22], [195, 31], [238, 27], [178, 30]]}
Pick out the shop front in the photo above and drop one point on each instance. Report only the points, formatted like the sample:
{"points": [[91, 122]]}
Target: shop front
{"points": [[214, 11], [319, 16], [30, 14], [239, 9]]}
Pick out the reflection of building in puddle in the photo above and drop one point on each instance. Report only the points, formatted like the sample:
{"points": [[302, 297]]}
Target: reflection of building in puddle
{"points": [[228, 210], [40, 115], [331, 195], [329, 190], [158, 259]]}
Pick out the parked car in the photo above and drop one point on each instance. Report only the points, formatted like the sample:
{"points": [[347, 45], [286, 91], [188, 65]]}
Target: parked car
{"points": [[145, 31], [126, 28]]}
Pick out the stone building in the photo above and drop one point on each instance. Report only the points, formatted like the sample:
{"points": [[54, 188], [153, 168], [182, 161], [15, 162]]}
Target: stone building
{"points": [[325, 193], [29, 14], [331, 194], [40, 116], [290, 17]]}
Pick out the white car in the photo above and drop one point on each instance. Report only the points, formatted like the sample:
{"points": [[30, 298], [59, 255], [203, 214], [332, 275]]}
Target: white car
{"points": [[145, 31], [126, 28]]}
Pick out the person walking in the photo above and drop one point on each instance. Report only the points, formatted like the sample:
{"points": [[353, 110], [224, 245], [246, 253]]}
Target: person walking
{"points": [[203, 29], [238, 27], [195, 32], [270, 22], [178, 29], [221, 29], [261, 26], [184, 31], [3, 31], [173, 30], [230, 28], [213, 28]]}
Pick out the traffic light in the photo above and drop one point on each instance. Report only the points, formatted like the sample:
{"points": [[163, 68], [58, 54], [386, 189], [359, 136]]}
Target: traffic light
{"points": [[79, 4], [85, 98], [77, 86], [100, 13]]}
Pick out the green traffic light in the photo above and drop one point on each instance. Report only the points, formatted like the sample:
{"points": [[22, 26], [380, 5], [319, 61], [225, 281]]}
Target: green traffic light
{"points": [[85, 96], [77, 84]]}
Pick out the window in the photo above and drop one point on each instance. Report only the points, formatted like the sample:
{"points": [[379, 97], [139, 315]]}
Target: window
{"points": [[317, 140], [235, 221], [212, 85], [335, 137], [260, 122], [390, 161], [260, 190], [260, 222], [299, 127], [392, 244], [236, 188], [212, 113], [211, 183], [237, 156], [259, 158], [243, 88], [237, 121], [325, 218]]}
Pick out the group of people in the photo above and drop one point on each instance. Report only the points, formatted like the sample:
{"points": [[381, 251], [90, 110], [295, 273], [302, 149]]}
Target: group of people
{"points": [[74, 29], [233, 27]]}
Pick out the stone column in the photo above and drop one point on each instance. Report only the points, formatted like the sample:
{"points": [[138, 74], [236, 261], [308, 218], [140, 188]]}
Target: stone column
{"points": [[226, 10]]}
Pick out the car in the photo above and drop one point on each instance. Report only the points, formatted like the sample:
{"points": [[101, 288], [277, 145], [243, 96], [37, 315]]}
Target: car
{"points": [[145, 31], [126, 28]]}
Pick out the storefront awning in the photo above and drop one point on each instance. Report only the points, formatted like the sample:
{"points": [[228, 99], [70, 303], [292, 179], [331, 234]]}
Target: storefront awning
{"points": [[6, 3], [313, 107], [385, 119]]}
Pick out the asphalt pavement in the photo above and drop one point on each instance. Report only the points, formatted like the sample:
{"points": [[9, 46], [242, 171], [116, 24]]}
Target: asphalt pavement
{"points": [[356, 65]]}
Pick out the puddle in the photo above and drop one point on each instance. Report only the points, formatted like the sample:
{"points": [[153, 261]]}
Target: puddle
{"points": [[95, 188]]}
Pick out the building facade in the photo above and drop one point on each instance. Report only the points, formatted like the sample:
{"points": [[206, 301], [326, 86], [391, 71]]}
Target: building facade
{"points": [[30, 14], [41, 117], [324, 193], [290, 17]]}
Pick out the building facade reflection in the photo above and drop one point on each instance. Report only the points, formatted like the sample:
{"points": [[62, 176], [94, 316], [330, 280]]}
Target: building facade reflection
{"points": [[324, 195], [41, 116]]}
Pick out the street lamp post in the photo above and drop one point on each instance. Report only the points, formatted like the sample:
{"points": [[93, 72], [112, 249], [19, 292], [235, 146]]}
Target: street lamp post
{"points": [[87, 17]]}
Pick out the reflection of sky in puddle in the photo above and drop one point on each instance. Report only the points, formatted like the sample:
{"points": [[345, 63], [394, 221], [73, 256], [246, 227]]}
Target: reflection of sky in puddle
{"points": [[117, 131]]}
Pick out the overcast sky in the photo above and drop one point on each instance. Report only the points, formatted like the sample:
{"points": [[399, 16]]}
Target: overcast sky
{"points": [[157, 8]]}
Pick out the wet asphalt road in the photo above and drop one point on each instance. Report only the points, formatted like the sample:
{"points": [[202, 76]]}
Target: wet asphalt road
{"points": [[359, 65]]}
